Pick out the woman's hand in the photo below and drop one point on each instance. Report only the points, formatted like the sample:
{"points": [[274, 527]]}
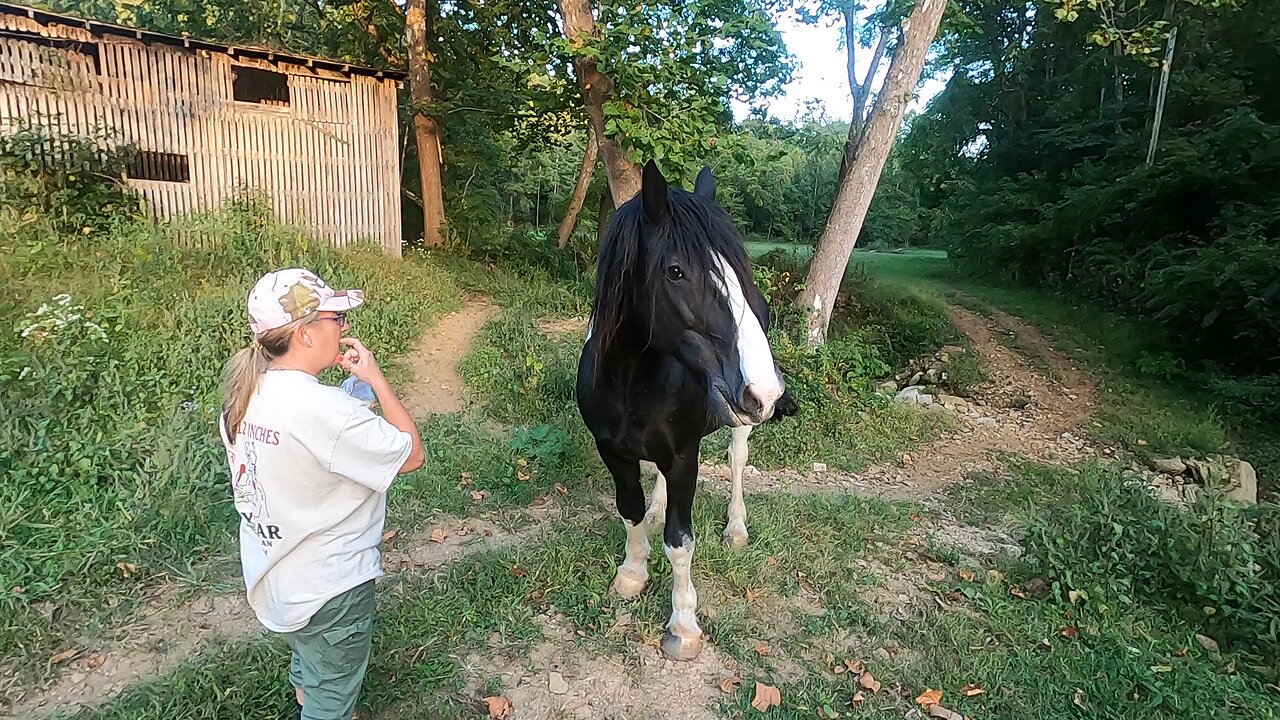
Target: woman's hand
{"points": [[359, 361]]}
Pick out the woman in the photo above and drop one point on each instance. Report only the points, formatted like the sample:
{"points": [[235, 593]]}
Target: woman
{"points": [[310, 467]]}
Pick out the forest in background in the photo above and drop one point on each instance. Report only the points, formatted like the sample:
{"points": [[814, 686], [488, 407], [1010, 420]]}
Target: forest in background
{"points": [[1031, 167]]}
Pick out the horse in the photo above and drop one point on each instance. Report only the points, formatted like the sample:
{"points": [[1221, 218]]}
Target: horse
{"points": [[676, 348]]}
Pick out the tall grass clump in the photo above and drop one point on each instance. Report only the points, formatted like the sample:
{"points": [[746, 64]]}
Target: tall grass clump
{"points": [[115, 333]]}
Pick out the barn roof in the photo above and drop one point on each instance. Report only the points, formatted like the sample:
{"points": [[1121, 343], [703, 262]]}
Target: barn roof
{"points": [[103, 29]]}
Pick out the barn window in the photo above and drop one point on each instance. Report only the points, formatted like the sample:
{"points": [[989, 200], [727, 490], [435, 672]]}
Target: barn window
{"points": [[254, 85], [166, 167]]}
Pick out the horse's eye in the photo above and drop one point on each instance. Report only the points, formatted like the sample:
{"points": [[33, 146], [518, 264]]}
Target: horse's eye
{"points": [[674, 272]]}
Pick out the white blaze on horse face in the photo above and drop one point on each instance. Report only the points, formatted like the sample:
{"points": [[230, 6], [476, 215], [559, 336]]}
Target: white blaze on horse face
{"points": [[759, 373]]}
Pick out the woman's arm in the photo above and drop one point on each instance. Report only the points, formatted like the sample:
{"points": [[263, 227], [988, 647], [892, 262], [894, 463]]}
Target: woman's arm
{"points": [[358, 361]]}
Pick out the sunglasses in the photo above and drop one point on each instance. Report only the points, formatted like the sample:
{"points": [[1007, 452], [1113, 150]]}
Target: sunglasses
{"points": [[340, 318]]}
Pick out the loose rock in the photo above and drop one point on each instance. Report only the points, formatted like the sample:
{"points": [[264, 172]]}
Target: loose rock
{"points": [[1168, 466], [556, 684]]}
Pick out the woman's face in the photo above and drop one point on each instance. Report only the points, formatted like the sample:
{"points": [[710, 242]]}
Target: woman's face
{"points": [[325, 332]]}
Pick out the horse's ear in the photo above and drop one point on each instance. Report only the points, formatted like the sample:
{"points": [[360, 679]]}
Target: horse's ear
{"points": [[705, 186], [653, 192]]}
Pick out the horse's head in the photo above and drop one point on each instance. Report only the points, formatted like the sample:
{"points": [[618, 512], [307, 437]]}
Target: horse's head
{"points": [[674, 276]]}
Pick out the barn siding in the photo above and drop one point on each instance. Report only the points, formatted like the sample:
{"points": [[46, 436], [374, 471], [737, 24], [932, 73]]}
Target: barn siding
{"points": [[329, 160]]}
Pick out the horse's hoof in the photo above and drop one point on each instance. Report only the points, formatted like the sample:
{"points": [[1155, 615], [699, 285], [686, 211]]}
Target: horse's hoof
{"points": [[680, 649], [627, 586], [735, 540]]}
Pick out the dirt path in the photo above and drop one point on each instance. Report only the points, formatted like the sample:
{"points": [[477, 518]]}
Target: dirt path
{"points": [[1018, 410], [436, 386]]}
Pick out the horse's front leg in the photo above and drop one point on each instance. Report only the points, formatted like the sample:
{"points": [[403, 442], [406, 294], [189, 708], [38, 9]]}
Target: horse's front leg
{"points": [[735, 531], [633, 573], [683, 639]]}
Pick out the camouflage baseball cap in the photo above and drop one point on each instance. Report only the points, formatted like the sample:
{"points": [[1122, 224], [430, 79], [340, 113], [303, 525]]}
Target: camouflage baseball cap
{"points": [[284, 296]]}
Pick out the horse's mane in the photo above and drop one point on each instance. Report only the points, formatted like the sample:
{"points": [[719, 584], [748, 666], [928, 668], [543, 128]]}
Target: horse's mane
{"points": [[693, 227]]}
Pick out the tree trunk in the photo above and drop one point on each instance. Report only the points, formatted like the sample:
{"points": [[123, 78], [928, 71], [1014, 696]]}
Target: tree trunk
{"points": [[623, 175], [858, 187], [602, 216], [580, 190], [426, 128]]}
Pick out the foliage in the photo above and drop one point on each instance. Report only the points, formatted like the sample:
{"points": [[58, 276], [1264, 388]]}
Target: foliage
{"points": [[1216, 562], [1032, 164], [73, 181]]}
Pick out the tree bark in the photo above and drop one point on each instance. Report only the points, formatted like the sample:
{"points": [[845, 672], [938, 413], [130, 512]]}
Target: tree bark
{"points": [[623, 175], [859, 186], [427, 130], [580, 190], [602, 215]]}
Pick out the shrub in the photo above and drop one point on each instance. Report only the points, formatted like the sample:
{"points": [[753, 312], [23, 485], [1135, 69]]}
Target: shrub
{"points": [[1216, 562]]}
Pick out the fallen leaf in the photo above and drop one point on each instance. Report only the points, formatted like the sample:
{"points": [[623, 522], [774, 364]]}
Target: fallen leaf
{"points": [[938, 577], [127, 569], [518, 571], [1074, 595], [1161, 668], [439, 535], [1207, 643], [731, 664], [1017, 592], [767, 696], [389, 535], [940, 712], [64, 656], [855, 666], [478, 495], [540, 501], [466, 477], [522, 475], [1070, 632], [827, 713], [968, 575], [972, 690], [95, 661], [869, 682], [560, 488], [1081, 700], [929, 698], [858, 698], [750, 595], [995, 575], [1181, 652], [763, 650], [499, 707], [729, 684]]}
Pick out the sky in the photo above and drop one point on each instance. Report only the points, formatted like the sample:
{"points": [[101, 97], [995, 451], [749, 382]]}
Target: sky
{"points": [[821, 76]]}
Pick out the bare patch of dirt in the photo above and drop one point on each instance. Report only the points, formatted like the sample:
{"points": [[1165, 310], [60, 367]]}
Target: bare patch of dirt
{"points": [[436, 386], [562, 680], [556, 329]]}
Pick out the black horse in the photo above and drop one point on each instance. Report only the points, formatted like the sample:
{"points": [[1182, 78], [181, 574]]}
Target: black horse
{"points": [[676, 348]]}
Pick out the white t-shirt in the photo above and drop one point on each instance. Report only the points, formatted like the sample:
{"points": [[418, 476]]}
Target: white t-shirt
{"points": [[310, 468]]}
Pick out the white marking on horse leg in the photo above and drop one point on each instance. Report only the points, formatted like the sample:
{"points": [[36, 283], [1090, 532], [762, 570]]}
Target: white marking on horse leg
{"points": [[759, 373], [633, 573], [735, 531], [683, 640], [656, 517]]}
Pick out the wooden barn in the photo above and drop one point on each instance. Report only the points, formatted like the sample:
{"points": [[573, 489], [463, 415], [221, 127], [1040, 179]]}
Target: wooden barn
{"points": [[320, 137]]}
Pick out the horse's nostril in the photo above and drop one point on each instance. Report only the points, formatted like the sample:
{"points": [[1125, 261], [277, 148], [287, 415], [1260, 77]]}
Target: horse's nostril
{"points": [[749, 402]]}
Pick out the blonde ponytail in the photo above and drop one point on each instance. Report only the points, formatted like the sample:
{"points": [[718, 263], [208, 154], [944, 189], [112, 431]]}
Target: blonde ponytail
{"points": [[246, 367]]}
